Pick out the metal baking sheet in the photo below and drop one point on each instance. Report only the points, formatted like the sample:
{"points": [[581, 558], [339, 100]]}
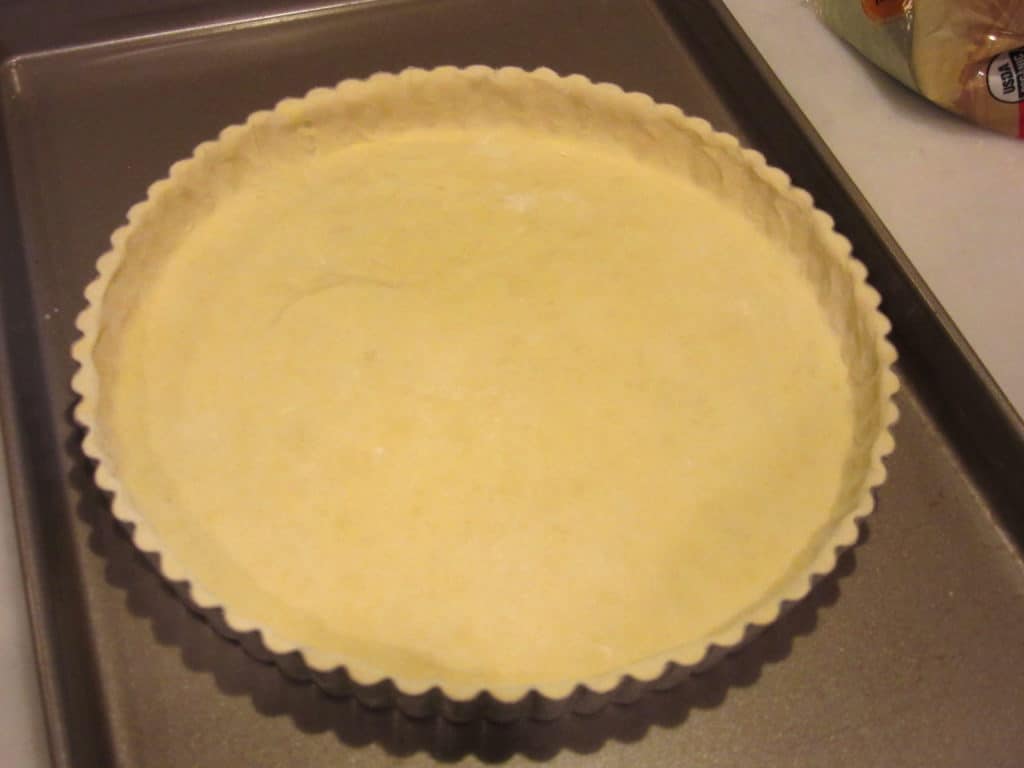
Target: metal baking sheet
{"points": [[911, 654]]}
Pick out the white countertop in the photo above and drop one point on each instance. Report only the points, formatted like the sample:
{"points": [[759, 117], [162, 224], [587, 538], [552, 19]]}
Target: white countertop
{"points": [[949, 192]]}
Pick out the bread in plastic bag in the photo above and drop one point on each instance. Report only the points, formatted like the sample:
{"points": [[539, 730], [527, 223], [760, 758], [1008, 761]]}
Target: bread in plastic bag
{"points": [[965, 55]]}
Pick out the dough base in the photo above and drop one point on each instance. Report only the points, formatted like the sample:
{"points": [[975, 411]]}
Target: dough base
{"points": [[486, 406]]}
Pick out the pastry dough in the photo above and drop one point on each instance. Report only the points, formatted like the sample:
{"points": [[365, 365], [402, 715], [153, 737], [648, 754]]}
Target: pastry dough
{"points": [[486, 398]]}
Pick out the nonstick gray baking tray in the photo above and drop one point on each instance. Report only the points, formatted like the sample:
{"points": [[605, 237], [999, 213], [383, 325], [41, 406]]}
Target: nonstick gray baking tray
{"points": [[911, 654]]}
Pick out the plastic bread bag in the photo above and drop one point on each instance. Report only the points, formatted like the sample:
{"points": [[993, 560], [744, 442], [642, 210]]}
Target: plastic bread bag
{"points": [[965, 55]]}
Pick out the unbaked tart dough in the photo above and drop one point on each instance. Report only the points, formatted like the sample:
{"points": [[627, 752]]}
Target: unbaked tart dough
{"points": [[485, 380]]}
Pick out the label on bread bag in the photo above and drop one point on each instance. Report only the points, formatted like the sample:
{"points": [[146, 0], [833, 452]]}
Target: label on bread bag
{"points": [[1005, 79], [1006, 76], [882, 10]]}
